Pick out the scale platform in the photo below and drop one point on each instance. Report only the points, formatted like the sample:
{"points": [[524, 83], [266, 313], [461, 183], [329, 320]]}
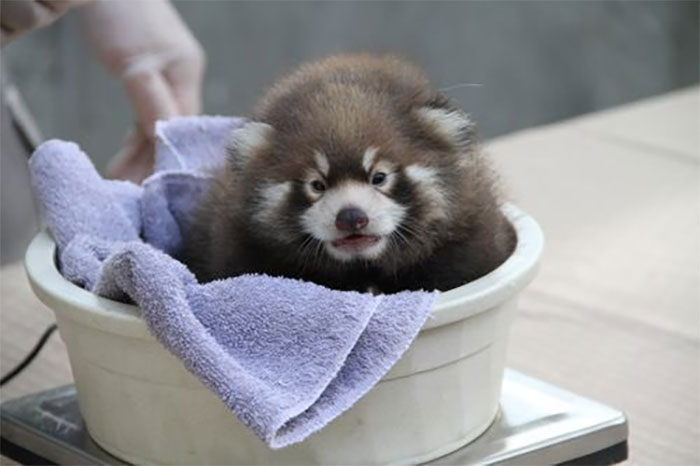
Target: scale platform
{"points": [[538, 424]]}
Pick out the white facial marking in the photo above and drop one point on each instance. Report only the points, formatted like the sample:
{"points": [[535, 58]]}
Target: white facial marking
{"points": [[450, 123], [384, 216], [247, 138], [322, 163], [272, 195], [430, 188], [368, 158], [423, 175]]}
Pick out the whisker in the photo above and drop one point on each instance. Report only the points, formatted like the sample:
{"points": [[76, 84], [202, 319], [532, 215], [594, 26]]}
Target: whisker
{"points": [[459, 86], [413, 230], [305, 250], [318, 254], [400, 236], [301, 251]]}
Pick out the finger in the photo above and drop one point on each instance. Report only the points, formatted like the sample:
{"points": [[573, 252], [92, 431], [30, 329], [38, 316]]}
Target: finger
{"points": [[150, 95], [6, 35], [135, 161], [20, 15], [57, 7], [185, 77]]}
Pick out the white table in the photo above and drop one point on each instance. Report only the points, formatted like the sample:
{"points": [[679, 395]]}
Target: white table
{"points": [[614, 312]]}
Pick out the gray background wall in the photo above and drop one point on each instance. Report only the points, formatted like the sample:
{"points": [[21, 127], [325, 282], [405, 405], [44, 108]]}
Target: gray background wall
{"points": [[537, 61]]}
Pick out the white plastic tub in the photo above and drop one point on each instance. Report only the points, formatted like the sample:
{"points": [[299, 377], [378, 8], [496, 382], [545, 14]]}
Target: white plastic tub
{"points": [[140, 403]]}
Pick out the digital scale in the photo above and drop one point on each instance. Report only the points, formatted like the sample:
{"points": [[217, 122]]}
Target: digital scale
{"points": [[538, 424]]}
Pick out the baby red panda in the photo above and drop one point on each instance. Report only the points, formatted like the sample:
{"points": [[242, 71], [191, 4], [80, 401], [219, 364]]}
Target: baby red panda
{"points": [[354, 174]]}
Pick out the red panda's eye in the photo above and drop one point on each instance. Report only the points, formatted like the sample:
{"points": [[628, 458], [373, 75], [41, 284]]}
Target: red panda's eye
{"points": [[379, 178], [318, 186]]}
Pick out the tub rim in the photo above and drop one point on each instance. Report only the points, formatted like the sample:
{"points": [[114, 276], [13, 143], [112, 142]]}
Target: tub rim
{"points": [[84, 307]]}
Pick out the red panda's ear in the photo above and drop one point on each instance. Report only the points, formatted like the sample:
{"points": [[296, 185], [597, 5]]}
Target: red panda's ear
{"points": [[246, 140], [453, 126]]}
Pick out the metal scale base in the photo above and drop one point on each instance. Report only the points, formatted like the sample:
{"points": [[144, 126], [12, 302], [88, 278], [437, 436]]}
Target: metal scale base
{"points": [[538, 424]]}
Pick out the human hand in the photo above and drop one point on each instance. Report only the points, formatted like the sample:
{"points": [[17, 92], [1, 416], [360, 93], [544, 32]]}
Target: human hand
{"points": [[20, 16], [147, 46]]}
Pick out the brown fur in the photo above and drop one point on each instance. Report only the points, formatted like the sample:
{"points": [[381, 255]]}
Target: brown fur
{"points": [[340, 106]]}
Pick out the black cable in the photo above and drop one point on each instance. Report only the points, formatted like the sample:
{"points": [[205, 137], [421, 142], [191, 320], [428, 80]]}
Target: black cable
{"points": [[30, 357]]}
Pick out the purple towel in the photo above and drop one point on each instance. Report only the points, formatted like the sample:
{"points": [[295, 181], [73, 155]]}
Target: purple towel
{"points": [[286, 356]]}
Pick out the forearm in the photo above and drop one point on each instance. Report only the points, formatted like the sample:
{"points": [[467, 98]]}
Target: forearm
{"points": [[120, 32], [147, 46]]}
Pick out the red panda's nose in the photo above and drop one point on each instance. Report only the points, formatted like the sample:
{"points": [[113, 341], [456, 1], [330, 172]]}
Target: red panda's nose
{"points": [[351, 219]]}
